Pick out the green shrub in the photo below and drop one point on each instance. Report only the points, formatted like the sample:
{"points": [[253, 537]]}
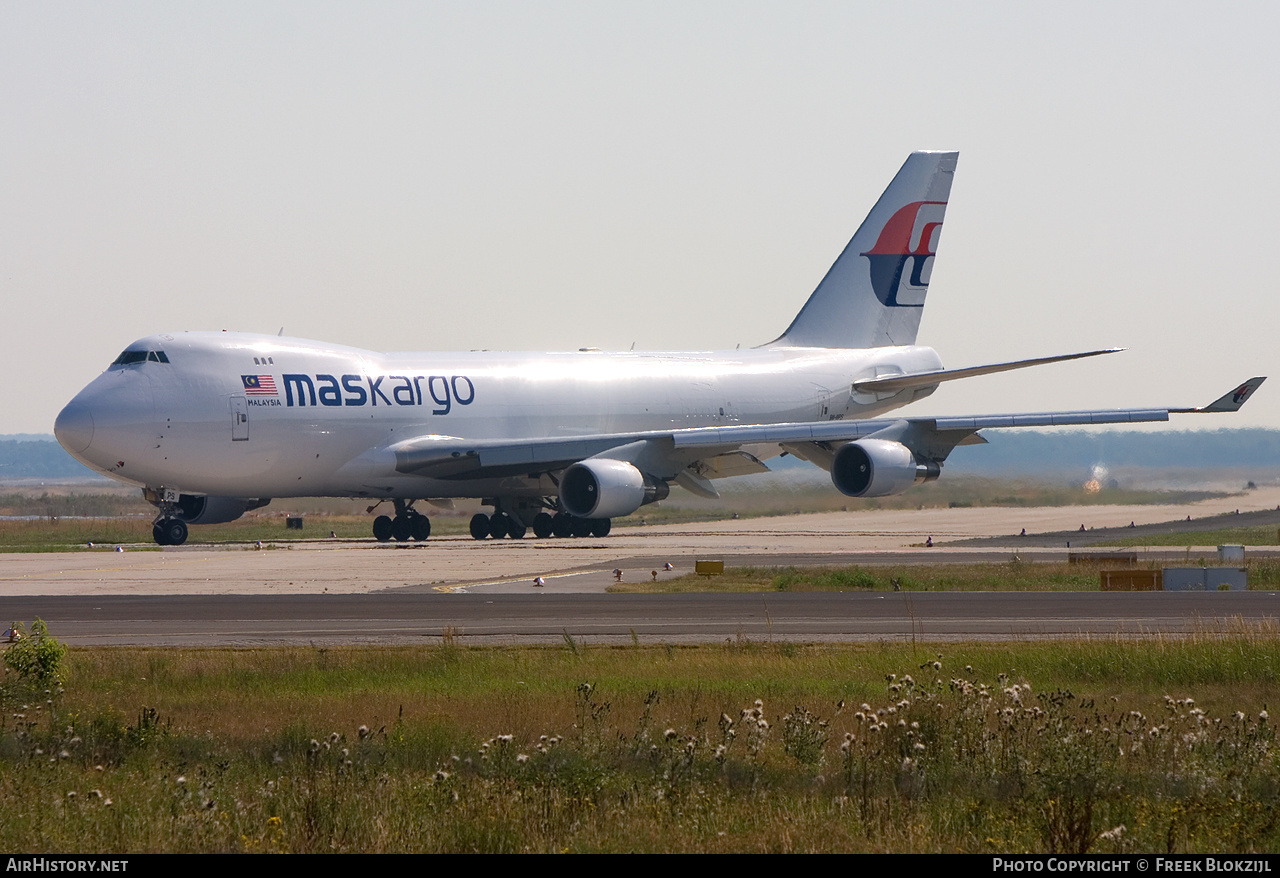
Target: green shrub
{"points": [[36, 658]]}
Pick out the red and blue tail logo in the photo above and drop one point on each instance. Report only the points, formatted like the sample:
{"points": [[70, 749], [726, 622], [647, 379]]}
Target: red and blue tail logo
{"points": [[910, 235]]}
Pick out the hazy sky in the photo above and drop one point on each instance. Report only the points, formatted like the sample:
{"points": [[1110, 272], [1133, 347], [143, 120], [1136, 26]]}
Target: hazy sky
{"points": [[549, 175]]}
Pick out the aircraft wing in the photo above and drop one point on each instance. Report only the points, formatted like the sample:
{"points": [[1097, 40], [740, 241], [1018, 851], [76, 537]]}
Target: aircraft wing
{"points": [[695, 454]]}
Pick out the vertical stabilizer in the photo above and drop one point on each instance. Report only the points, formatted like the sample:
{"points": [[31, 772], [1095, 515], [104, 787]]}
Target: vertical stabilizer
{"points": [[873, 295]]}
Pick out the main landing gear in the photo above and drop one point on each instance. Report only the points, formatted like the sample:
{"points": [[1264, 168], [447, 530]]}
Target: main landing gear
{"points": [[501, 524], [409, 524], [512, 519]]}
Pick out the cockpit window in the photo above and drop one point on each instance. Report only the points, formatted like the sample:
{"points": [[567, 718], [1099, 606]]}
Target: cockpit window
{"points": [[128, 358]]}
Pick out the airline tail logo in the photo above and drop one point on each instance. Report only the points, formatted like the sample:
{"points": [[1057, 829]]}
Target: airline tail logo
{"points": [[1242, 393], [910, 237]]}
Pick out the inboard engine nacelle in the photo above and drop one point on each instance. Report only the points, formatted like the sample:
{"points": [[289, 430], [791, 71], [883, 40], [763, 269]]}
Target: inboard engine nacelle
{"points": [[603, 488], [878, 468], [201, 509]]}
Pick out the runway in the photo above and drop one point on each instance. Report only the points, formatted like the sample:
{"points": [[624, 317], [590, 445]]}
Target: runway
{"points": [[261, 620]]}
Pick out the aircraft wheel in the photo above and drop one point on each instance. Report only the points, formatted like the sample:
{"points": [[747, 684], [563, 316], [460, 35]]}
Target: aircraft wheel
{"points": [[499, 525], [515, 528], [420, 527], [382, 527], [600, 527], [562, 525], [542, 525], [581, 527], [480, 526], [158, 534], [401, 528], [175, 532]]}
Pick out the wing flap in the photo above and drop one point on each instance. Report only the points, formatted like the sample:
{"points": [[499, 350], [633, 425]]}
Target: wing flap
{"points": [[734, 463], [1054, 419]]}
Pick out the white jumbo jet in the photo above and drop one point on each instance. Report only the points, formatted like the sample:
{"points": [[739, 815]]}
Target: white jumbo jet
{"points": [[212, 424]]}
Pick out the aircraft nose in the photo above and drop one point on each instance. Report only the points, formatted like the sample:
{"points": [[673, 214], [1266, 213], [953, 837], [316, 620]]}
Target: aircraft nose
{"points": [[74, 427]]}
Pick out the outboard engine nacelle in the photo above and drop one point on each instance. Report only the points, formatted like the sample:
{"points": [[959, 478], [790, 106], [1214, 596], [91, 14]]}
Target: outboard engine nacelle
{"points": [[878, 468], [201, 509], [602, 488]]}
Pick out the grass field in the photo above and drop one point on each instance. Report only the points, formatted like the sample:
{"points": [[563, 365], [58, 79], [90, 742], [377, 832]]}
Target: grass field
{"points": [[1102, 746], [1153, 745], [1010, 576], [1267, 535]]}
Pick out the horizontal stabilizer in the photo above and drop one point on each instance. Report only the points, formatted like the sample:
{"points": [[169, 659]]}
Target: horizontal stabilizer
{"points": [[1231, 400], [894, 383]]}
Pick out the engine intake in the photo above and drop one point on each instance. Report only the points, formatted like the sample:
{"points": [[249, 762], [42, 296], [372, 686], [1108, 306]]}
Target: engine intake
{"points": [[878, 468], [202, 509], [603, 488]]}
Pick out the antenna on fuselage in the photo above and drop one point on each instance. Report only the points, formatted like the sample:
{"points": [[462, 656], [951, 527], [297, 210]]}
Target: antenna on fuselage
{"points": [[281, 332]]}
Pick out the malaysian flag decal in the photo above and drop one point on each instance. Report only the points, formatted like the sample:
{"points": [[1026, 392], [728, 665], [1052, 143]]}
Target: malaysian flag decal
{"points": [[259, 385]]}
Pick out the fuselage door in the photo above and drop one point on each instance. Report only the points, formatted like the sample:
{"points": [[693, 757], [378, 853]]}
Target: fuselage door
{"points": [[832, 405], [239, 419]]}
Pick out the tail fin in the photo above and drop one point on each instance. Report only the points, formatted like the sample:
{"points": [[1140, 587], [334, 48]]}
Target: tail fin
{"points": [[873, 295]]}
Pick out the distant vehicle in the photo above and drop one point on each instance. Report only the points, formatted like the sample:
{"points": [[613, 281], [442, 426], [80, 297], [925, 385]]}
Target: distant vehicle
{"points": [[212, 424]]}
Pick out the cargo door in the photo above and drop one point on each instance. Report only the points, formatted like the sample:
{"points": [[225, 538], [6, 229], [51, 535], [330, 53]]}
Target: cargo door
{"points": [[239, 419]]}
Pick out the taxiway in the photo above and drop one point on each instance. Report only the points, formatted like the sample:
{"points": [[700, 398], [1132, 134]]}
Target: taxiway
{"points": [[327, 592]]}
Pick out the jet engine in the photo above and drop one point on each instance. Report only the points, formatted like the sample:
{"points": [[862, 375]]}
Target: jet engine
{"points": [[878, 468], [602, 488], [201, 509]]}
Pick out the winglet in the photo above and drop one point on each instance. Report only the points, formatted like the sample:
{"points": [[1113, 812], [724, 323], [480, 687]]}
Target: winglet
{"points": [[1231, 400]]}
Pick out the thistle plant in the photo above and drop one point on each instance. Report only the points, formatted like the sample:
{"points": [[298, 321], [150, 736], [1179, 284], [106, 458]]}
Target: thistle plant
{"points": [[36, 658], [804, 736]]}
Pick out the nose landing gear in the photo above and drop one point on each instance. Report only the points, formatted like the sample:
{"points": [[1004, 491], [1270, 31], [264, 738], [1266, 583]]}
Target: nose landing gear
{"points": [[167, 529], [169, 532]]}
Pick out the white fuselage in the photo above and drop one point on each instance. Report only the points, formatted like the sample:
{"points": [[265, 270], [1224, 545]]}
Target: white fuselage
{"points": [[261, 416]]}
